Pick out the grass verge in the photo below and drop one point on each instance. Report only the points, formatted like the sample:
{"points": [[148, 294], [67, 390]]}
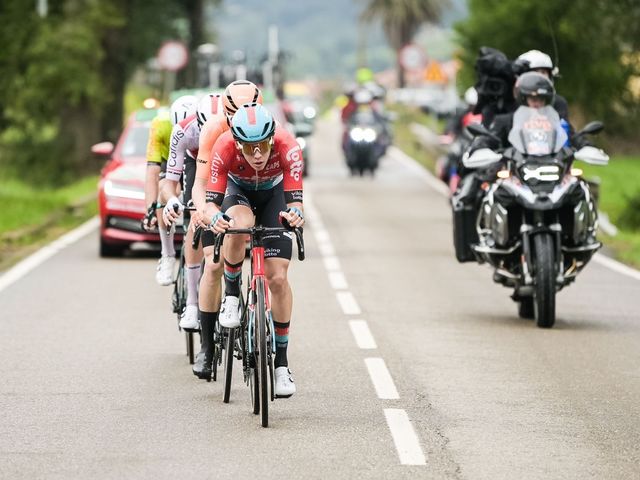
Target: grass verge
{"points": [[38, 216]]}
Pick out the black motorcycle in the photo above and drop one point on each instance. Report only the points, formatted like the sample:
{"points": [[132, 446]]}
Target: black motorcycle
{"points": [[537, 219], [365, 143]]}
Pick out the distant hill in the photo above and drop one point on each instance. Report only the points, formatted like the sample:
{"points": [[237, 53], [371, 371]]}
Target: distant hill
{"points": [[321, 36]]}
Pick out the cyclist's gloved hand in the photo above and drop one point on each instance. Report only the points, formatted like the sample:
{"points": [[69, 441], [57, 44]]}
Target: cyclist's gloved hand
{"points": [[150, 220], [172, 210], [220, 222], [293, 216]]}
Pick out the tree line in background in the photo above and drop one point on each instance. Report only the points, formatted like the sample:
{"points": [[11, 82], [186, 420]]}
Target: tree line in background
{"points": [[597, 44], [63, 76]]}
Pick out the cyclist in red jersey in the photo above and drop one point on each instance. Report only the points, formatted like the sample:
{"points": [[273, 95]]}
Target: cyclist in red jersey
{"points": [[256, 170], [215, 119]]}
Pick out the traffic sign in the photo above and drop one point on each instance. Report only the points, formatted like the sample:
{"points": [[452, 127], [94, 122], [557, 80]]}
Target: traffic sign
{"points": [[173, 56], [433, 73], [412, 57]]}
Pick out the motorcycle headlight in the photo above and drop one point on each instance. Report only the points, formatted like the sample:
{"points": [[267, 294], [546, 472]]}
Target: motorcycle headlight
{"points": [[301, 142], [122, 190], [369, 135], [357, 134]]}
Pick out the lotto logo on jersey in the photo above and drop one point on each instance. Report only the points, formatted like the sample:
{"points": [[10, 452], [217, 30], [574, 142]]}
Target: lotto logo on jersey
{"points": [[294, 157]]}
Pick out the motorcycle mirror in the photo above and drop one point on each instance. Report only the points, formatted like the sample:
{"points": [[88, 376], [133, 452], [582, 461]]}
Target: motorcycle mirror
{"points": [[481, 158], [591, 128], [477, 129]]}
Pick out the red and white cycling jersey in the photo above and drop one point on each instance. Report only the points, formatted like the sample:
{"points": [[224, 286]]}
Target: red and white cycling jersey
{"points": [[285, 165], [184, 140]]}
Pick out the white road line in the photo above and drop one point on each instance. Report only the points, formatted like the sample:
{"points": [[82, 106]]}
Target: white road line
{"points": [[404, 437], [322, 236], [326, 249], [42, 255], [381, 378], [616, 266], [362, 334], [338, 280], [348, 303], [331, 263]]}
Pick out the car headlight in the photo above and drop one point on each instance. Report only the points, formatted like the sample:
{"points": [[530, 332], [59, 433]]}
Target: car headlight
{"points": [[302, 142], [113, 189]]}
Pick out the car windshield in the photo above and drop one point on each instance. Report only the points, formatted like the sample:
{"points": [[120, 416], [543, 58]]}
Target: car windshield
{"points": [[135, 142], [537, 131]]}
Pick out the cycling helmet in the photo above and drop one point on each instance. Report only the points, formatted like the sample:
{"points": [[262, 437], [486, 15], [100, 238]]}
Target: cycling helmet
{"points": [[534, 60], [182, 108], [252, 123], [209, 106], [534, 84], [471, 96], [237, 94]]}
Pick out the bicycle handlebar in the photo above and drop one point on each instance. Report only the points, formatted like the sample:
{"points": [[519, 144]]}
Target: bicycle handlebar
{"points": [[259, 230]]}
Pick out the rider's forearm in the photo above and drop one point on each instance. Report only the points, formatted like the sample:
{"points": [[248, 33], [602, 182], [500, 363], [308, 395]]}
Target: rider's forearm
{"points": [[151, 184], [198, 194], [169, 189]]}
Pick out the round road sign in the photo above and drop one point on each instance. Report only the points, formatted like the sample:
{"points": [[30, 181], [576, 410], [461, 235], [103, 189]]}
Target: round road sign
{"points": [[412, 57], [173, 56]]}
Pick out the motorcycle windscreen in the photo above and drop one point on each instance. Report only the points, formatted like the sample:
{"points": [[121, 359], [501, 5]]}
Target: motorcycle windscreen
{"points": [[537, 131]]}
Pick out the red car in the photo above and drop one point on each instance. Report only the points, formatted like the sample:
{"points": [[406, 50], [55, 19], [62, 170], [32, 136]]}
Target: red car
{"points": [[121, 187]]}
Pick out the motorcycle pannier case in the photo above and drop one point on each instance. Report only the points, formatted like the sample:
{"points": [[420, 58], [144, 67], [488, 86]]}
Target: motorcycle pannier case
{"points": [[464, 231]]}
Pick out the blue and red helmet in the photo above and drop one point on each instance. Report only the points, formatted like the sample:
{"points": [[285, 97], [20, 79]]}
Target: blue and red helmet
{"points": [[252, 123]]}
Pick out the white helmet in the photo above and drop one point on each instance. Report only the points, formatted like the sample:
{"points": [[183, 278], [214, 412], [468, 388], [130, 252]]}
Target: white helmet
{"points": [[183, 107], [471, 96], [209, 106], [363, 96], [536, 59]]}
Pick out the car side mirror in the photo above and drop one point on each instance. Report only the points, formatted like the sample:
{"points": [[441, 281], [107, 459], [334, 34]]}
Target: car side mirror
{"points": [[103, 149]]}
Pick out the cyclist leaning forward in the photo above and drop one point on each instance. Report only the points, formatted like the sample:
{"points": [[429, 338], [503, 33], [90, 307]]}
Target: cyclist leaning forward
{"points": [[256, 169]]}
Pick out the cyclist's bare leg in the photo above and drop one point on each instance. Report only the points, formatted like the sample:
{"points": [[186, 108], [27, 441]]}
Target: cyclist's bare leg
{"points": [[234, 245], [210, 293], [281, 295]]}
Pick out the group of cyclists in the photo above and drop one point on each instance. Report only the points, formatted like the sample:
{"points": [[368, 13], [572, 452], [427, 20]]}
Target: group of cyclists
{"points": [[239, 167]]}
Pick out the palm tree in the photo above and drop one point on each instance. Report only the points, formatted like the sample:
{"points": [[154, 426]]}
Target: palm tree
{"points": [[401, 19]]}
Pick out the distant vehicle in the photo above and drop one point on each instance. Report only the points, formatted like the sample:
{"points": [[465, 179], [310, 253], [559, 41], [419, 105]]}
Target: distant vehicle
{"points": [[299, 129], [121, 187]]}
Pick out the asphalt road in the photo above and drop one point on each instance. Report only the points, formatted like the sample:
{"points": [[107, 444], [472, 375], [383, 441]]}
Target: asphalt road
{"points": [[408, 364]]}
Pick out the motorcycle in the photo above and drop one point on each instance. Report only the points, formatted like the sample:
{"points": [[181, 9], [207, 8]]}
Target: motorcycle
{"points": [[364, 143], [537, 221]]}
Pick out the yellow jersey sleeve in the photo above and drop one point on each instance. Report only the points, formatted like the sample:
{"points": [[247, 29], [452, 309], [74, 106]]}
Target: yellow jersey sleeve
{"points": [[159, 137]]}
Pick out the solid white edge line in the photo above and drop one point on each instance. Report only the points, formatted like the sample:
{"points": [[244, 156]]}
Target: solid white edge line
{"points": [[404, 437], [616, 266], [338, 281], [348, 303], [440, 187], [381, 378], [46, 252], [362, 335]]}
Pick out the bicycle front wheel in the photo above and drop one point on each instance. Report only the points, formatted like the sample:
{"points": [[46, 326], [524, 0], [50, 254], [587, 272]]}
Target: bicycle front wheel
{"points": [[229, 343], [262, 354]]}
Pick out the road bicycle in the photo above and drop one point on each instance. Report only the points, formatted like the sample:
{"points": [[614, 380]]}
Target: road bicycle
{"points": [[253, 341]]}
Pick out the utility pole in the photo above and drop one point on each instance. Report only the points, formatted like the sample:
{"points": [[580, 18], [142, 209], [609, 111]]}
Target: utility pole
{"points": [[42, 7]]}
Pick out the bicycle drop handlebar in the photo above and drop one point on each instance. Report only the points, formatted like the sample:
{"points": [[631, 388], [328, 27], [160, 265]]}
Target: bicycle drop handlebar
{"points": [[258, 231]]}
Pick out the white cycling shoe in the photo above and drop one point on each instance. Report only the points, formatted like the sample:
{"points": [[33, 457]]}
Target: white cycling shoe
{"points": [[164, 273], [229, 312], [189, 319], [284, 383]]}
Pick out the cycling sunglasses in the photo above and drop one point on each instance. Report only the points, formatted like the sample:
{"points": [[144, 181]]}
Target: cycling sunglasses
{"points": [[250, 148]]}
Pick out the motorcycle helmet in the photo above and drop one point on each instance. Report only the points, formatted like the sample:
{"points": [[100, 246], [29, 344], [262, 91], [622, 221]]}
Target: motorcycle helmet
{"points": [[536, 60], [534, 84], [471, 96]]}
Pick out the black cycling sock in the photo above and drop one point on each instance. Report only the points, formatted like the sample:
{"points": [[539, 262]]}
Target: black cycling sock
{"points": [[207, 325], [282, 342], [232, 275]]}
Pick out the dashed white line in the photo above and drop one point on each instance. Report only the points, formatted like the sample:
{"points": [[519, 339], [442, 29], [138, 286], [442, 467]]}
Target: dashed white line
{"points": [[362, 334], [326, 249], [348, 303], [404, 437], [331, 263], [381, 378], [322, 236], [338, 280]]}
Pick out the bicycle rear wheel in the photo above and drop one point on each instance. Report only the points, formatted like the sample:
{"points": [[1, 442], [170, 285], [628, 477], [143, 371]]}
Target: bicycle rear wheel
{"points": [[262, 354]]}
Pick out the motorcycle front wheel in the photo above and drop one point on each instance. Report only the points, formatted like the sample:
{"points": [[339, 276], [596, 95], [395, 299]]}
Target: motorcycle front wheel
{"points": [[544, 296]]}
